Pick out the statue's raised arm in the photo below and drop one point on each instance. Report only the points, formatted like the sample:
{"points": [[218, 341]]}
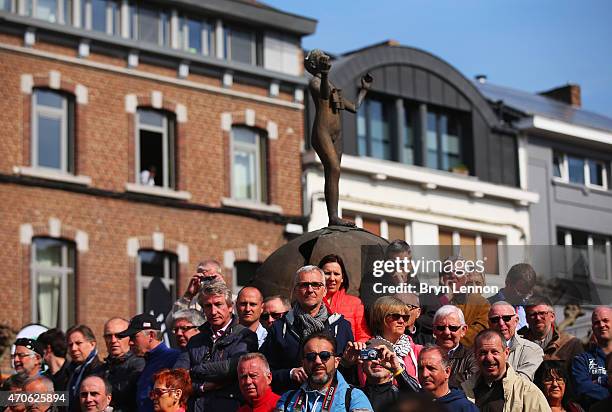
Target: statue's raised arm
{"points": [[326, 138]]}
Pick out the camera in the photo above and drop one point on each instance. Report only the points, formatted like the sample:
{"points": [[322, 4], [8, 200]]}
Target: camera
{"points": [[368, 354]]}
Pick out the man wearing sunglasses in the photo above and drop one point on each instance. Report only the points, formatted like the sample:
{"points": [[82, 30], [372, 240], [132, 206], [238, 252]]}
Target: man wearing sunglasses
{"points": [[448, 329], [122, 367], [274, 308], [308, 315], [325, 389], [525, 356], [185, 324]]}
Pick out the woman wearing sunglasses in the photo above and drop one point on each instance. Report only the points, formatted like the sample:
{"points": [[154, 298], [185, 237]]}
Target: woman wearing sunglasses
{"points": [[338, 301], [171, 390]]}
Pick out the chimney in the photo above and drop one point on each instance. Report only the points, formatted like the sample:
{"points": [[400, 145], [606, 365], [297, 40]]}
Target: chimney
{"points": [[569, 94]]}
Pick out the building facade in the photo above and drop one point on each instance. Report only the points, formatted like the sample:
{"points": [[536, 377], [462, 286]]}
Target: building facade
{"points": [[139, 138]]}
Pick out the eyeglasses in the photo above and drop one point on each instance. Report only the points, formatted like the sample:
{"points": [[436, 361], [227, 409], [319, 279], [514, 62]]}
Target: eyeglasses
{"points": [[506, 318], [275, 316], [397, 316], [411, 307], [452, 328], [21, 355], [324, 355], [159, 392], [535, 315], [306, 285], [183, 329], [109, 336], [551, 379]]}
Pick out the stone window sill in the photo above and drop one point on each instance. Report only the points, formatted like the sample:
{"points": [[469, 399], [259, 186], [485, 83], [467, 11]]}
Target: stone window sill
{"points": [[244, 204], [157, 191], [50, 174]]}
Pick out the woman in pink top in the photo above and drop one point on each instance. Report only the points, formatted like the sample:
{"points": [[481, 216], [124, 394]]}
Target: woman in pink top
{"points": [[338, 301]]}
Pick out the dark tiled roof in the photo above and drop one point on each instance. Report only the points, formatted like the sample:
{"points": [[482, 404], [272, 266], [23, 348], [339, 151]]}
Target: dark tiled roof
{"points": [[535, 104]]}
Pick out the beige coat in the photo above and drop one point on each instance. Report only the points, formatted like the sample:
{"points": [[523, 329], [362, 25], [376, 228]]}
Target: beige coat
{"points": [[520, 395]]}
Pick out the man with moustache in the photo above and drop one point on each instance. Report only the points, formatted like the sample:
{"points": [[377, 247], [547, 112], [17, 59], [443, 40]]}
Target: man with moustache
{"points": [[325, 388], [122, 367], [497, 387], [249, 306], [524, 356], [434, 373]]}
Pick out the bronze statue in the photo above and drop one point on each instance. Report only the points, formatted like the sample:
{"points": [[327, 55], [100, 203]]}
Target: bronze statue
{"points": [[326, 136]]}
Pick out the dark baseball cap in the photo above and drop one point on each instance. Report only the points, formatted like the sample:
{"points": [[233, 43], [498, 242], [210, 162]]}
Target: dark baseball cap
{"points": [[140, 322], [31, 344]]}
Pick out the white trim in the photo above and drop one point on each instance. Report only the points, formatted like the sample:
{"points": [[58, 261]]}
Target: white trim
{"points": [[384, 229], [182, 251], [226, 122], [132, 59], [26, 233], [84, 48], [52, 174], [151, 76], [522, 161], [158, 241], [55, 227], [568, 129], [81, 239], [274, 89], [27, 83], [252, 253], [157, 191], [249, 117], [294, 228], [272, 129], [183, 70], [29, 37], [133, 245], [229, 257], [131, 103], [243, 204], [55, 79], [125, 19], [157, 99], [181, 113], [82, 94], [298, 95], [228, 79]]}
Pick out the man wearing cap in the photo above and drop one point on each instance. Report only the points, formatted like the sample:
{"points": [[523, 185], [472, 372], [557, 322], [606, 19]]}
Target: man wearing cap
{"points": [[28, 355], [146, 340]]}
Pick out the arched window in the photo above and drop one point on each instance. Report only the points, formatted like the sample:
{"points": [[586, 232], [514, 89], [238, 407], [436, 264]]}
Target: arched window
{"points": [[248, 170], [155, 149], [156, 277]]}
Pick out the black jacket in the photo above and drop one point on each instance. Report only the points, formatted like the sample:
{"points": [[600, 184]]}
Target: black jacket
{"points": [[216, 362], [123, 373], [93, 368], [60, 378], [463, 365], [381, 395]]}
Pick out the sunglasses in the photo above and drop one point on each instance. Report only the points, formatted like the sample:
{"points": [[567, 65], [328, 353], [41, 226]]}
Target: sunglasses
{"points": [[397, 316], [275, 316], [535, 315], [452, 328], [183, 329], [306, 285], [159, 392], [506, 318], [324, 355], [109, 336]]}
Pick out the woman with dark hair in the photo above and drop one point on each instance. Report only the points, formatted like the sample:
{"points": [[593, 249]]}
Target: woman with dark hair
{"points": [[552, 379], [338, 301], [171, 390]]}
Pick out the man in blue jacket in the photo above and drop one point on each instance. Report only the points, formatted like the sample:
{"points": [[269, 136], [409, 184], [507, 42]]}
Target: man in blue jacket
{"points": [[589, 368], [146, 340], [434, 373], [308, 315], [325, 388]]}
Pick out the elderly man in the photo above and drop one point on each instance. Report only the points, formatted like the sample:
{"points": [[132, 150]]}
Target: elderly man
{"points": [[434, 373], [589, 368], [185, 325], [249, 307], [448, 329], [308, 315], [274, 308], [254, 379], [54, 343], [28, 357], [556, 344], [325, 387], [122, 368], [524, 356], [95, 395], [497, 387], [212, 355], [520, 281], [146, 340], [38, 386]]}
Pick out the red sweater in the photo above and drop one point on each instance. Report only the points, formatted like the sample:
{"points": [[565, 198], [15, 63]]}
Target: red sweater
{"points": [[266, 403], [352, 309]]}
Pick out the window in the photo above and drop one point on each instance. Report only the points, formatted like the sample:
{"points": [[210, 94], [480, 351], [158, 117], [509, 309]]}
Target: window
{"points": [[472, 246], [408, 138], [443, 141], [282, 53], [54, 11], [150, 25], [373, 136], [244, 272], [240, 45], [248, 165], [156, 280], [53, 273], [6, 5], [579, 170], [155, 149], [197, 36], [101, 15], [586, 254], [52, 131]]}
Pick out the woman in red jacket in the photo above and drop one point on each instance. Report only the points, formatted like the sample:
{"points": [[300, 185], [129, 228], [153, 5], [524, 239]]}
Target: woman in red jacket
{"points": [[338, 301]]}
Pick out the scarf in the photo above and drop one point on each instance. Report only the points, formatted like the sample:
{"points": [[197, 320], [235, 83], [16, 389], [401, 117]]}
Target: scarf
{"points": [[77, 374], [305, 324], [402, 348]]}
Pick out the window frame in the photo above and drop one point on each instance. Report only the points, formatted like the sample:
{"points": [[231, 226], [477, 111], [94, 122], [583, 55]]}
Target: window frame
{"points": [[112, 20], [63, 10], [163, 24], [565, 176], [479, 245], [207, 35], [365, 109], [168, 132], [260, 172], [228, 35], [67, 277], [143, 281], [62, 114], [440, 153]]}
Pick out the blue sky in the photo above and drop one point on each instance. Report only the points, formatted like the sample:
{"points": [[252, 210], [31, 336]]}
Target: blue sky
{"points": [[532, 45]]}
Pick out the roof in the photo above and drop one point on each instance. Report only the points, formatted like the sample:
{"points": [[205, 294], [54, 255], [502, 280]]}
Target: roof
{"points": [[534, 104]]}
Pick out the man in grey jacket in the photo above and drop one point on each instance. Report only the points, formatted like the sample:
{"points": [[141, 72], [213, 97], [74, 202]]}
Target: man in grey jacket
{"points": [[525, 356]]}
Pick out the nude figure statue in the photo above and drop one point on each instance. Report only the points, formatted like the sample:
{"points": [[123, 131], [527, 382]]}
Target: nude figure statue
{"points": [[326, 136]]}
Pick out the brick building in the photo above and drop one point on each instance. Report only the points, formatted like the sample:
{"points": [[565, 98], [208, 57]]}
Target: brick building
{"points": [[136, 140]]}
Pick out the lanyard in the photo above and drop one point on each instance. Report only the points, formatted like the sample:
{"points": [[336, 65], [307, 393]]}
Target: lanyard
{"points": [[327, 401]]}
